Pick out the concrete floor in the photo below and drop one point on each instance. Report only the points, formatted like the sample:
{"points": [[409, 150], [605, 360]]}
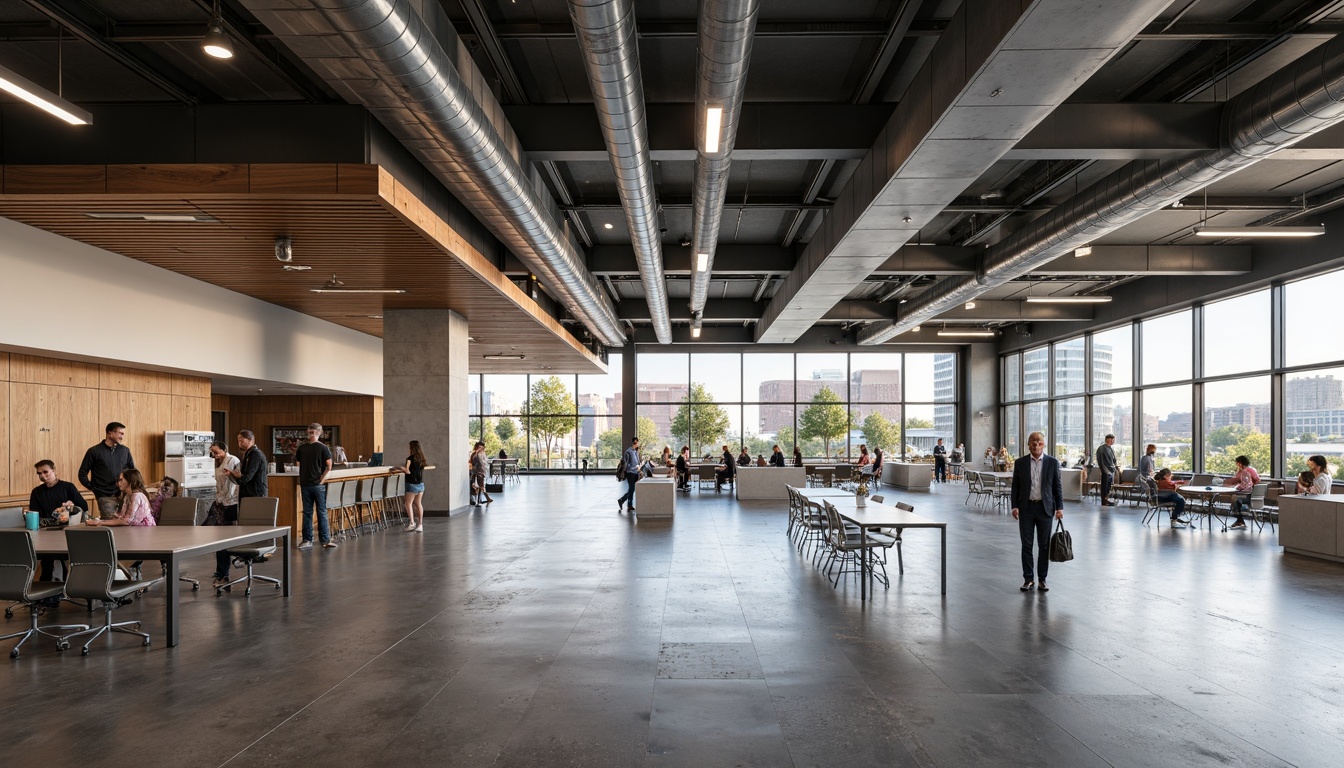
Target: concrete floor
{"points": [[547, 630]]}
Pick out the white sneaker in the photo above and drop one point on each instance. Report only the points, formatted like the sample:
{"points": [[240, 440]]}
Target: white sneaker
{"points": [[419, 529], [410, 527]]}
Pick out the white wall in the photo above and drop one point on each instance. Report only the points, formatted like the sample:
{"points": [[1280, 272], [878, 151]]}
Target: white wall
{"points": [[69, 298]]}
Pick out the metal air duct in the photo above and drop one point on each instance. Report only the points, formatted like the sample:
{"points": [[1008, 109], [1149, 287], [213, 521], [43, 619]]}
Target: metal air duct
{"points": [[1298, 101], [399, 48], [725, 31], [606, 34]]}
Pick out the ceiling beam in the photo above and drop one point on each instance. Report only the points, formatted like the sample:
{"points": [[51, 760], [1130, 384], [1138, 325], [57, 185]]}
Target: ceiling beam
{"points": [[900, 22], [570, 132], [1234, 30], [484, 33], [82, 30]]}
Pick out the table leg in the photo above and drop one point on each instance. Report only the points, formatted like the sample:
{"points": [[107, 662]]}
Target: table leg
{"points": [[284, 547], [863, 575], [943, 531], [170, 601]]}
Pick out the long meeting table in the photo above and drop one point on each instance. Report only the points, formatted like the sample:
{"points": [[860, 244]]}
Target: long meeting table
{"points": [[874, 515], [170, 545]]}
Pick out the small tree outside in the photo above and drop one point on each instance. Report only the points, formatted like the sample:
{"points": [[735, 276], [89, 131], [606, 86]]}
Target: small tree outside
{"points": [[881, 432], [505, 429], [1254, 446], [611, 444], [548, 398], [699, 420], [915, 422], [825, 420]]}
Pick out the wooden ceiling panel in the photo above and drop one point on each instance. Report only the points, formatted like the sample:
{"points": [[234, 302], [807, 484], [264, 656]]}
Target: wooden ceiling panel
{"points": [[359, 235]]}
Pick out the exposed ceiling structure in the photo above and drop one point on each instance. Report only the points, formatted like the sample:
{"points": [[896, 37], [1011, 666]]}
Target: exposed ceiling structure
{"points": [[881, 149]]}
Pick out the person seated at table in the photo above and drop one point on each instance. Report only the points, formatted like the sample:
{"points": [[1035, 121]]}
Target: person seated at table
{"points": [[864, 458], [776, 457], [1166, 494], [744, 458], [725, 471], [167, 488], [877, 467], [684, 469], [132, 508], [989, 460], [503, 454], [1305, 481], [1005, 459], [797, 456], [55, 500], [760, 460], [1244, 481], [1320, 476]]}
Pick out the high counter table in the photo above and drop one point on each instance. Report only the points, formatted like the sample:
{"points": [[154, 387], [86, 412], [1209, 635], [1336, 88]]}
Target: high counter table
{"points": [[1312, 526], [285, 487], [170, 544]]}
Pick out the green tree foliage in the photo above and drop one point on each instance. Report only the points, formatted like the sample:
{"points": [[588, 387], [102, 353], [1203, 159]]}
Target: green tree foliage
{"points": [[881, 432], [1254, 446], [1308, 437], [786, 440], [825, 420], [505, 429], [1229, 435], [549, 396], [915, 422], [611, 444], [699, 420]]}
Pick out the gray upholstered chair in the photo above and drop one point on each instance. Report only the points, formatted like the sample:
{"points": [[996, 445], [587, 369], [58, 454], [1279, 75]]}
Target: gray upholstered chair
{"points": [[93, 576], [180, 510], [18, 565], [257, 510]]}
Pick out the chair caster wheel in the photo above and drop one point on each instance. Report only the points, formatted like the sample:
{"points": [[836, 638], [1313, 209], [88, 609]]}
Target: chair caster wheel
{"points": [[247, 592], [61, 645], [14, 654], [195, 587], [277, 586], [9, 613], [84, 652], [146, 643]]}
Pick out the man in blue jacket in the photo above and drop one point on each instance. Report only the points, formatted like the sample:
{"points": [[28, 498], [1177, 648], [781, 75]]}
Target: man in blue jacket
{"points": [[1038, 495], [630, 463]]}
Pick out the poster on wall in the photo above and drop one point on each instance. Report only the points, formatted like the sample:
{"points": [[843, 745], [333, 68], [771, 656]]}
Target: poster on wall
{"points": [[285, 440]]}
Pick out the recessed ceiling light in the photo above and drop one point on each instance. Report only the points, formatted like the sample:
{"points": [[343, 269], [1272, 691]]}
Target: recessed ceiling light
{"points": [[1079, 253], [504, 357], [701, 262], [713, 129], [295, 267], [336, 286], [970, 305], [608, 225]]}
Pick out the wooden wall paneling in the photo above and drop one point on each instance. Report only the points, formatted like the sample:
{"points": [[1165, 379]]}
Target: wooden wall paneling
{"points": [[193, 178], [4, 366], [45, 370], [220, 402], [146, 416], [190, 413], [377, 423], [55, 179], [49, 422], [190, 386], [116, 378], [294, 178], [5, 471]]}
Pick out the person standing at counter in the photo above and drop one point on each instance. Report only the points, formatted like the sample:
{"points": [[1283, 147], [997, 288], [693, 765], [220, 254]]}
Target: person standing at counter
{"points": [[414, 469], [684, 468], [314, 460], [797, 456], [226, 496], [102, 466], [940, 462], [877, 467], [776, 457], [1106, 461], [251, 478]]}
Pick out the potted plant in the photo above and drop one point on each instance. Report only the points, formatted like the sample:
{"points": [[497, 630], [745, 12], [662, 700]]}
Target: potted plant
{"points": [[861, 495]]}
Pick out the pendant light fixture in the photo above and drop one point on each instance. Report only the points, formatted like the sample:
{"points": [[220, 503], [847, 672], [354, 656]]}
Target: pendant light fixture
{"points": [[216, 43]]}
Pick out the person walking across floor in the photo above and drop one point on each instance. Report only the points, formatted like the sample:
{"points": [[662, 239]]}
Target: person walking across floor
{"points": [[479, 467], [1106, 462], [414, 469], [102, 466], [940, 462], [1038, 497], [314, 460], [630, 462]]}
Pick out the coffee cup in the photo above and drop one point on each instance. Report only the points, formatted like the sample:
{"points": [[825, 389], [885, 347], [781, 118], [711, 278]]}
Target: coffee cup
{"points": [[31, 520]]}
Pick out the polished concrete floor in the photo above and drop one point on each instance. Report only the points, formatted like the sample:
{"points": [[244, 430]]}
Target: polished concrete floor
{"points": [[548, 630]]}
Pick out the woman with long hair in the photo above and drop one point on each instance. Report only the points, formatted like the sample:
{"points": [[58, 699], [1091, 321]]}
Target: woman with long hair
{"points": [[414, 469], [132, 502]]}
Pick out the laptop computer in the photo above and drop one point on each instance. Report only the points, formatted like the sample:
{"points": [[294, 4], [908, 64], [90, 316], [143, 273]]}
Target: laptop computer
{"points": [[11, 517]]}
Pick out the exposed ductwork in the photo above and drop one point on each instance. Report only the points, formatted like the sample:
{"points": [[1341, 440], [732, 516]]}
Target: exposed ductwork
{"points": [[606, 35], [1299, 100], [725, 32], [396, 44]]}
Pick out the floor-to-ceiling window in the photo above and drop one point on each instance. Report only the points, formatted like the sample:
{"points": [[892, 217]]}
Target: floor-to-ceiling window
{"points": [[1199, 384]]}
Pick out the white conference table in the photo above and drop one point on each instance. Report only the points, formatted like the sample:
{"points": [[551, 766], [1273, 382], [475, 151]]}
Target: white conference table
{"points": [[170, 544], [877, 515]]}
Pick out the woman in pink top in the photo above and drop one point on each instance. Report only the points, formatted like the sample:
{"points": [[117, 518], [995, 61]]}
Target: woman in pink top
{"points": [[1245, 479], [134, 505]]}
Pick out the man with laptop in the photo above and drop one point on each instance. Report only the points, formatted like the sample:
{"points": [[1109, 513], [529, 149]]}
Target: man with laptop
{"points": [[57, 501]]}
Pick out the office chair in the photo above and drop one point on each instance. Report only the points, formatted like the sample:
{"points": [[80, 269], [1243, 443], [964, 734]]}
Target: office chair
{"points": [[179, 510], [93, 576], [18, 566], [257, 510]]}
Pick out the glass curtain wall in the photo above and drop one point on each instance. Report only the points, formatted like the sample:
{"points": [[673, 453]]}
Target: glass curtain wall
{"points": [[1205, 385]]}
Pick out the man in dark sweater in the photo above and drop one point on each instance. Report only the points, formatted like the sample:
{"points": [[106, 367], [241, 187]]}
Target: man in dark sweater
{"points": [[52, 499], [102, 465]]}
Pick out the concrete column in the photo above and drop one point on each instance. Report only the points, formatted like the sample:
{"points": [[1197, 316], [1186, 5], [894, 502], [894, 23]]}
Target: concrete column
{"points": [[980, 394], [425, 398]]}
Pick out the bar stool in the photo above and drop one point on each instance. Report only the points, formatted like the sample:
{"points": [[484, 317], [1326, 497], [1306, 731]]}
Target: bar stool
{"points": [[392, 498], [337, 510], [368, 499]]}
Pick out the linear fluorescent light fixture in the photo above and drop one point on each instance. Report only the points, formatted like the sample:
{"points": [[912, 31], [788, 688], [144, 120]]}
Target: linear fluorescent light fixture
{"points": [[169, 218], [981, 334], [1207, 231], [701, 262], [1085, 250], [17, 85], [695, 324], [713, 127], [505, 357], [970, 305], [343, 289], [1068, 299]]}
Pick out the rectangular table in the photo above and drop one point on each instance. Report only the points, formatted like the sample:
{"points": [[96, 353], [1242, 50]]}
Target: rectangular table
{"points": [[874, 515], [170, 545]]}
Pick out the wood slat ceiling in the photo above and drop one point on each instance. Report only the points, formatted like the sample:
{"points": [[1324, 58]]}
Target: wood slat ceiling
{"points": [[366, 228]]}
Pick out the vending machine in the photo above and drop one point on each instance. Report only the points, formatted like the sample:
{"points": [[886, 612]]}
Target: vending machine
{"points": [[187, 460]]}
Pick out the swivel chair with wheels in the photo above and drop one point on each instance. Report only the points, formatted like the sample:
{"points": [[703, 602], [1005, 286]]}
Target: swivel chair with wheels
{"points": [[18, 564], [259, 510], [179, 510], [93, 576]]}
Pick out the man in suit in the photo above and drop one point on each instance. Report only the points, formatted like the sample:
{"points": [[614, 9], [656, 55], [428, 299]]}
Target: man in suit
{"points": [[1037, 492]]}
